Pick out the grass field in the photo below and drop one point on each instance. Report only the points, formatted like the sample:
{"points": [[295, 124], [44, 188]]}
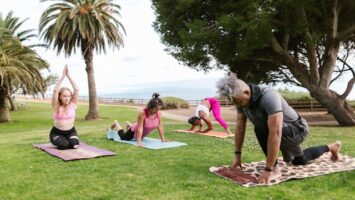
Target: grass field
{"points": [[295, 96], [138, 173]]}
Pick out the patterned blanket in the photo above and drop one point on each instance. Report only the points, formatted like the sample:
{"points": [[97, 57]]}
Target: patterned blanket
{"points": [[318, 167]]}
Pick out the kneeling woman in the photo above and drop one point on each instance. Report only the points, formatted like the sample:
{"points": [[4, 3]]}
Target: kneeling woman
{"points": [[148, 120], [63, 134]]}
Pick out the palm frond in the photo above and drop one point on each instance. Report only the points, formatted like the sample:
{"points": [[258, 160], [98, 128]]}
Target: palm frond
{"points": [[67, 24], [20, 65]]}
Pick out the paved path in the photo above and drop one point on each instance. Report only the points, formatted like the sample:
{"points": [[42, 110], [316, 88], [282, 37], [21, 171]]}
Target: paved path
{"points": [[174, 116]]}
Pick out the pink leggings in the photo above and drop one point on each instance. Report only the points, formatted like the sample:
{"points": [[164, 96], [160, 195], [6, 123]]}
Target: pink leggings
{"points": [[216, 110]]}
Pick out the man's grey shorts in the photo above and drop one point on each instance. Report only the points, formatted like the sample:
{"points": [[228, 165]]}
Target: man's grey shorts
{"points": [[293, 134]]}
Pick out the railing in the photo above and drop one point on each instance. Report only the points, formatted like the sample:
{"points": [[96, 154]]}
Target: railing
{"points": [[116, 100], [311, 105], [110, 100], [223, 102], [103, 100]]}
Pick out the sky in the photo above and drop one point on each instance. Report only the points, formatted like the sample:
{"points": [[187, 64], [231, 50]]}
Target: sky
{"points": [[141, 63]]}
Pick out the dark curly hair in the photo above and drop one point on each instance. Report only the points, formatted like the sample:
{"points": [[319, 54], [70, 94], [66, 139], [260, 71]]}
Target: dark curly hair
{"points": [[193, 120], [155, 101]]}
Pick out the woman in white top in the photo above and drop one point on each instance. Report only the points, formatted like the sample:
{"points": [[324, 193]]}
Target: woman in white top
{"points": [[202, 112]]}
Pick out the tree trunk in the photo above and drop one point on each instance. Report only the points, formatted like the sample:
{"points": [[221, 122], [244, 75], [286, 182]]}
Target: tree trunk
{"points": [[4, 111], [12, 103], [93, 112], [333, 102], [335, 105]]}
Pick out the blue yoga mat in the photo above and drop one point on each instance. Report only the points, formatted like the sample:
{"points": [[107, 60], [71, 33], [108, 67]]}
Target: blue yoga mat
{"points": [[149, 143]]}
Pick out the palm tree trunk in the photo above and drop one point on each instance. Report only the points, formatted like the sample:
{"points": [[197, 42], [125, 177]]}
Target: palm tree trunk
{"points": [[93, 112], [12, 103], [4, 111]]}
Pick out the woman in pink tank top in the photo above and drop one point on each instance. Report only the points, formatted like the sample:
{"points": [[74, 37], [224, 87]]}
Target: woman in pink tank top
{"points": [[148, 120], [63, 134]]}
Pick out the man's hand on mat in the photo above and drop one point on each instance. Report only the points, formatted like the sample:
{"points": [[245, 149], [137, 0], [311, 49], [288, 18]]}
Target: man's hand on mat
{"points": [[237, 163], [266, 176]]}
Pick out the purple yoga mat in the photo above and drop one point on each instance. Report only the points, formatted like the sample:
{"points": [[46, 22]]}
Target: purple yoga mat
{"points": [[83, 152]]}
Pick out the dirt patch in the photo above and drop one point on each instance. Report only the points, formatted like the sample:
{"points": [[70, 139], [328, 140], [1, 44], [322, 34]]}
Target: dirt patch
{"points": [[317, 116]]}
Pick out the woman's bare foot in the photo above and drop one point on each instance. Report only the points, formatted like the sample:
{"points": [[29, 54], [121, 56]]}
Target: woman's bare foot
{"points": [[113, 126], [116, 126], [334, 148], [128, 125], [228, 131]]}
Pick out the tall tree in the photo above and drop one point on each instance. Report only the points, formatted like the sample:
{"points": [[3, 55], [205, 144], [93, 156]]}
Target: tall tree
{"points": [[86, 24], [20, 65], [11, 25], [307, 43]]}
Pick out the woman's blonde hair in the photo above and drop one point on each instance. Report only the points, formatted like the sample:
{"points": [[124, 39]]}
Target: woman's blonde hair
{"points": [[60, 103]]}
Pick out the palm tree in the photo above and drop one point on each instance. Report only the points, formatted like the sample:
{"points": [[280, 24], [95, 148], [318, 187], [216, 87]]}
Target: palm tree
{"points": [[88, 24], [19, 67], [11, 26]]}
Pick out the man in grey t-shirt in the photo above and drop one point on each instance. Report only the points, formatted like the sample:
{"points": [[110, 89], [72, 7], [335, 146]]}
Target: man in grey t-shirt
{"points": [[277, 127]]}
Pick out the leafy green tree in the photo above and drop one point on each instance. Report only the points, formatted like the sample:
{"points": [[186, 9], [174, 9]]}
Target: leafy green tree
{"points": [[307, 43], [20, 65], [86, 24]]}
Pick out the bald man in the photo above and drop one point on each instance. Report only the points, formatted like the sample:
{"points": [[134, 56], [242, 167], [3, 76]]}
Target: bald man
{"points": [[277, 127]]}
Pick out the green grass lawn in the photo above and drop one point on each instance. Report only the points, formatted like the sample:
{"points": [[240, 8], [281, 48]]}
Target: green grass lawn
{"points": [[138, 173], [294, 96]]}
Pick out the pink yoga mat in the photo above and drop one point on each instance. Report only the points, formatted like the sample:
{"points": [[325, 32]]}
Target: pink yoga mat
{"points": [[210, 133], [83, 152]]}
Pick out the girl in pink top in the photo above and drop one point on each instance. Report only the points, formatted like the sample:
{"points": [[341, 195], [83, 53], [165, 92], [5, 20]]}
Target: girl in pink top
{"points": [[202, 112], [63, 134], [148, 120]]}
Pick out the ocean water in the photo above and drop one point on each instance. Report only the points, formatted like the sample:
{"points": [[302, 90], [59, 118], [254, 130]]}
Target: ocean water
{"points": [[184, 93], [188, 90]]}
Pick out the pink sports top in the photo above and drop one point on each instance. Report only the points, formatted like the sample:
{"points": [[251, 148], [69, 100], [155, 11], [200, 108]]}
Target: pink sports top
{"points": [[69, 114], [150, 123]]}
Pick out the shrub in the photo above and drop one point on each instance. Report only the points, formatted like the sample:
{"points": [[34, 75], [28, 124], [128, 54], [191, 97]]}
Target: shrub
{"points": [[295, 96], [174, 103]]}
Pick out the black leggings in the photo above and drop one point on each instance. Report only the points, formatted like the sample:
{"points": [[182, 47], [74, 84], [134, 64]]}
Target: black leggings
{"points": [[128, 135], [64, 139], [310, 154]]}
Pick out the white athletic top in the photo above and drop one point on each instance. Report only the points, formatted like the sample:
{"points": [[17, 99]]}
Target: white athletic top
{"points": [[203, 108]]}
